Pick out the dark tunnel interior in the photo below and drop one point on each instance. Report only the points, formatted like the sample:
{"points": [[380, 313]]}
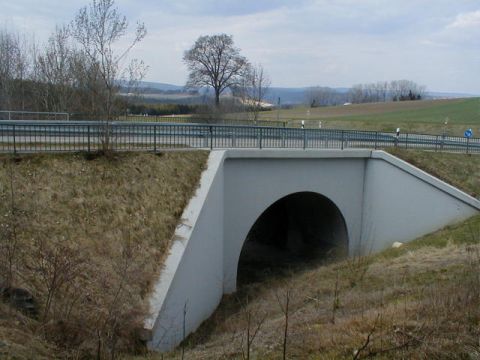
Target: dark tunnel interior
{"points": [[297, 232]]}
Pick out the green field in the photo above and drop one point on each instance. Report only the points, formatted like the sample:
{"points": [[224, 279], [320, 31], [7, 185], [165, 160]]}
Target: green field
{"points": [[427, 116]]}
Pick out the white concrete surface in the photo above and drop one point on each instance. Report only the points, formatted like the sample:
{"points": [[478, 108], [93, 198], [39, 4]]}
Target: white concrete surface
{"points": [[382, 199]]}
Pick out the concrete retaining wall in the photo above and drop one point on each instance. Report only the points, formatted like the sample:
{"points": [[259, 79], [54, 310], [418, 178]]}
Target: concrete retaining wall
{"points": [[381, 198], [190, 286]]}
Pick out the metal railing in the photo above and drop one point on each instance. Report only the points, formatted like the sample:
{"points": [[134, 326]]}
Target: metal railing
{"points": [[50, 136], [32, 115]]}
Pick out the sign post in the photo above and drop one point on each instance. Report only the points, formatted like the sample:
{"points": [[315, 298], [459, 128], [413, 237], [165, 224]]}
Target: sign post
{"points": [[468, 134]]}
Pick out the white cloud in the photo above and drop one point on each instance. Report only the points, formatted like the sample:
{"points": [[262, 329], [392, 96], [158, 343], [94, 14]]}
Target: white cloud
{"points": [[459, 33], [466, 21]]}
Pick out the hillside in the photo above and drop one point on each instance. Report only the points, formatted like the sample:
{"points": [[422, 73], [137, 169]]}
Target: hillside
{"points": [[427, 116], [459, 170], [102, 231], [86, 236]]}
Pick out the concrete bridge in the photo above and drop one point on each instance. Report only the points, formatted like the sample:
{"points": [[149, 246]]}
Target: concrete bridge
{"points": [[350, 201]]}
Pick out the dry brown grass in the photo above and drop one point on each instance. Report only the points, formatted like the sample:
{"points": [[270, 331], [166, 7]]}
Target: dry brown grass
{"points": [[92, 234], [419, 301]]}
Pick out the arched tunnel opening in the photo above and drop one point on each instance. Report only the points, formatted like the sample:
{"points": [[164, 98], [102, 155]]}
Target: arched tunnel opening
{"points": [[297, 232]]}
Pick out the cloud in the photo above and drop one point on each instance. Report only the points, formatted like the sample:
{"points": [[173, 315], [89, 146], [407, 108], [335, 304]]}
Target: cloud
{"points": [[470, 20], [459, 33], [300, 43]]}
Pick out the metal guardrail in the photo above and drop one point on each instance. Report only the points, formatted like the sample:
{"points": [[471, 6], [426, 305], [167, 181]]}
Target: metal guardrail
{"points": [[72, 136], [31, 115]]}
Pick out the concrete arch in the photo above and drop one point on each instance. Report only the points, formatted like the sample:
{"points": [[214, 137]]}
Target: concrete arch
{"points": [[299, 227], [255, 184]]}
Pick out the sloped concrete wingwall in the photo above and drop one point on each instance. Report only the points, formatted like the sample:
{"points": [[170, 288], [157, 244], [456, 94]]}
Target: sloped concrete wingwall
{"points": [[190, 286], [403, 203], [381, 198]]}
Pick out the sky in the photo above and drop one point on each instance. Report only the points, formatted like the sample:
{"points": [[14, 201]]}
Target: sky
{"points": [[336, 43]]}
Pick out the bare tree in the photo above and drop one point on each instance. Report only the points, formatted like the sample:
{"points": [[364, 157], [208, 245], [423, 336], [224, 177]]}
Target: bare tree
{"points": [[284, 307], [254, 319], [54, 72], [214, 61], [255, 84], [56, 265], [14, 66], [323, 96], [356, 94], [98, 28]]}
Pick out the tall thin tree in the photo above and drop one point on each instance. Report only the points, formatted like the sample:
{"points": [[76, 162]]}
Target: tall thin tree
{"points": [[98, 28]]}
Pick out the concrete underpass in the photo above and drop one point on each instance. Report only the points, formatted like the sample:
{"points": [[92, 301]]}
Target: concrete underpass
{"points": [[279, 206]]}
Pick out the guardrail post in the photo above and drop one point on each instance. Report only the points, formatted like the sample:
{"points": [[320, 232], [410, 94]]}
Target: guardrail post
{"points": [[211, 137], [155, 138], [14, 141], [88, 137], [260, 140], [304, 139], [343, 136], [468, 143], [436, 143], [376, 139], [406, 141]]}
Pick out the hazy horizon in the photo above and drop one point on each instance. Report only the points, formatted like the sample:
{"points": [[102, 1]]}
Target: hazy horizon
{"points": [[322, 85]]}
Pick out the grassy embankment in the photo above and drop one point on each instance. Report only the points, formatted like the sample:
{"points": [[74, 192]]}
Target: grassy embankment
{"points": [[418, 301], [411, 116], [87, 238], [115, 220]]}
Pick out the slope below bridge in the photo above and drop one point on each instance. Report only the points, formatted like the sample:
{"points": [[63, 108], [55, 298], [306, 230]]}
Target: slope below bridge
{"points": [[349, 202]]}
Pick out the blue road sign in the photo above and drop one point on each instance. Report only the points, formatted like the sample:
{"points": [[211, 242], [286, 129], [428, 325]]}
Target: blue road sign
{"points": [[468, 133]]}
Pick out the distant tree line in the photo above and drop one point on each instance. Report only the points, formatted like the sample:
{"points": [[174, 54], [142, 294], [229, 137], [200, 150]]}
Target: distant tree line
{"points": [[382, 91], [78, 70]]}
